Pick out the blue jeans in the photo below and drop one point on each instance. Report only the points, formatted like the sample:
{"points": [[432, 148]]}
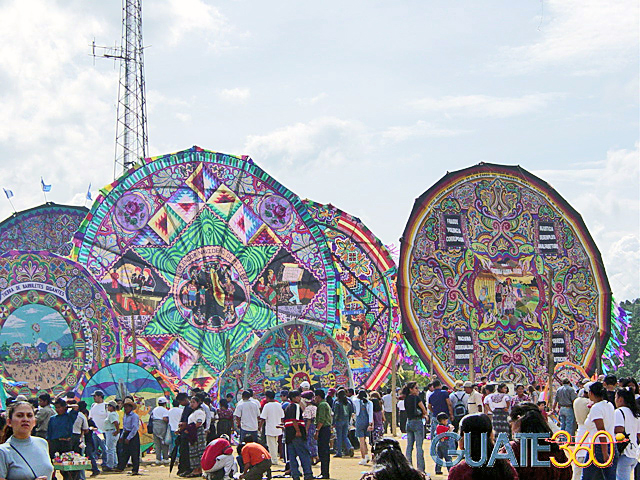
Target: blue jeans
{"points": [[298, 449], [111, 460], [625, 467], [567, 419], [443, 452], [433, 424], [99, 446], [415, 434], [593, 472], [342, 438], [249, 432]]}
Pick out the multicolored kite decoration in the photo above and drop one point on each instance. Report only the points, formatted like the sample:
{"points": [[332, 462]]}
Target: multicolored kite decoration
{"points": [[484, 250], [56, 323], [295, 352], [368, 306], [204, 252], [49, 227]]}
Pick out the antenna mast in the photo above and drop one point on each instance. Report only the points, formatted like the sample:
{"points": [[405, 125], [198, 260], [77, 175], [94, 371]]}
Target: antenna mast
{"points": [[132, 143]]}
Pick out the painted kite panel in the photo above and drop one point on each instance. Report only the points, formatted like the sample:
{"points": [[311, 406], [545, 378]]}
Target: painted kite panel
{"points": [[367, 306], [52, 313], [294, 352], [207, 248], [48, 227], [483, 252]]}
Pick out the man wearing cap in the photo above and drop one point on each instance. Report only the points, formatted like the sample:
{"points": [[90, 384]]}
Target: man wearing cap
{"points": [[130, 439], [296, 438], [111, 431], [98, 413], [60, 431], [459, 399], [44, 414], [474, 398], [246, 415], [160, 419]]}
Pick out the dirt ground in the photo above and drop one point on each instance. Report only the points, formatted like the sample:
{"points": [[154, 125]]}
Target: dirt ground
{"points": [[341, 468]]}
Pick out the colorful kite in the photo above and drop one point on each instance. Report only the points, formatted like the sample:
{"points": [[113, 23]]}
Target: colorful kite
{"points": [[48, 227], [294, 352], [56, 322], [368, 306], [203, 252], [116, 380], [484, 250]]}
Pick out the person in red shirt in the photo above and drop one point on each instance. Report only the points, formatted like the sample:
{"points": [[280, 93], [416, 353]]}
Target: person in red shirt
{"points": [[255, 458], [445, 444]]}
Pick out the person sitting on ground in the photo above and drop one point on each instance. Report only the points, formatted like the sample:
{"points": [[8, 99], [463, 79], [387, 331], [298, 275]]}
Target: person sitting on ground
{"points": [[255, 459], [480, 445], [217, 460], [389, 463], [22, 455]]}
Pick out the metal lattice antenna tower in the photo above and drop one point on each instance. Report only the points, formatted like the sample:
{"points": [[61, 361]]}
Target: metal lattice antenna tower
{"points": [[132, 143]]}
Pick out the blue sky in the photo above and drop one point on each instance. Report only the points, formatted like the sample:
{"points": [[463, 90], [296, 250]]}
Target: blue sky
{"points": [[361, 104]]}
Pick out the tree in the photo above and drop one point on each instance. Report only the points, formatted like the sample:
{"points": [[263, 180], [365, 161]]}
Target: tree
{"points": [[631, 365]]}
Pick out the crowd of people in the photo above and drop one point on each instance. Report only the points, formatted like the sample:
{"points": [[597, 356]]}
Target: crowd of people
{"points": [[297, 429]]}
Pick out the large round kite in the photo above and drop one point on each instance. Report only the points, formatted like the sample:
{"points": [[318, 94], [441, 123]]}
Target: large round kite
{"points": [[295, 352], [367, 306], [48, 227], [56, 322], [484, 250], [210, 250]]}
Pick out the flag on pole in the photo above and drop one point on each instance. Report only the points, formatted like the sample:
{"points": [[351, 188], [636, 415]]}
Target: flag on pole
{"points": [[8, 193], [45, 187], [89, 193]]}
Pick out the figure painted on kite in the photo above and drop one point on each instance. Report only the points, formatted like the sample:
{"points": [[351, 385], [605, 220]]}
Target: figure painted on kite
{"points": [[484, 251], [204, 252]]}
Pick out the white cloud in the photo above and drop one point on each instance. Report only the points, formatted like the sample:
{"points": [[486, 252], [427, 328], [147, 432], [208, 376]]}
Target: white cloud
{"points": [[240, 95], [14, 322], [588, 36], [51, 316], [193, 17], [309, 102], [419, 129], [323, 141], [609, 202], [484, 105], [31, 310]]}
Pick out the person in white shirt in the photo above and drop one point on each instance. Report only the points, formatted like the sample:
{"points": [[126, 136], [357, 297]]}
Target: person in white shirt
{"points": [[161, 439], [601, 417], [387, 406], [175, 413], [246, 415], [459, 402], [474, 398], [627, 420], [80, 427], [111, 431], [98, 413], [271, 417]]}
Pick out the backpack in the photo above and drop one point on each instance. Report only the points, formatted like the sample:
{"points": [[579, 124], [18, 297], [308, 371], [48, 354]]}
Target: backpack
{"points": [[459, 409]]}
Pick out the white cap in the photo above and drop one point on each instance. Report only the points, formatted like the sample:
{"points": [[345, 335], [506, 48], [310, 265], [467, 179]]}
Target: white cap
{"points": [[305, 385], [162, 401]]}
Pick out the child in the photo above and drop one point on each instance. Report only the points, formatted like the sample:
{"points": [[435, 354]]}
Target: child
{"points": [[542, 406], [446, 443]]}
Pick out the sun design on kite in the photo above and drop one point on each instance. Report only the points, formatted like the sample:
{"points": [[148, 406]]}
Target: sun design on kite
{"points": [[297, 375]]}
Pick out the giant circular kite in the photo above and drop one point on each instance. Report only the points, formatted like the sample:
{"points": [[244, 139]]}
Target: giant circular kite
{"points": [[294, 352], [209, 248], [484, 250], [368, 305], [52, 313], [48, 227]]}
